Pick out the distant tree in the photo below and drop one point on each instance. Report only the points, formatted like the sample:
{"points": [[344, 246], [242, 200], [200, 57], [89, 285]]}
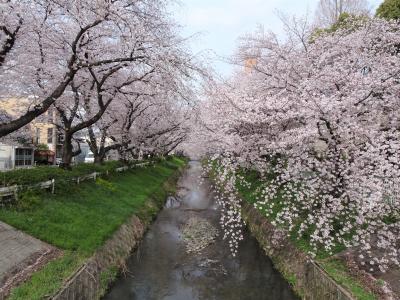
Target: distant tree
{"points": [[329, 11], [346, 22], [389, 9]]}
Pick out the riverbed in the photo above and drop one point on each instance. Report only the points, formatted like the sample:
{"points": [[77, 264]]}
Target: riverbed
{"points": [[162, 268]]}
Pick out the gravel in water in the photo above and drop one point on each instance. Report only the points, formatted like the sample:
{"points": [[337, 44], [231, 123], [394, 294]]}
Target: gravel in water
{"points": [[198, 233]]}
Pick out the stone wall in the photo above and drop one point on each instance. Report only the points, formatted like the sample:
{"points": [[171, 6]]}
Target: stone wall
{"points": [[312, 282], [87, 283]]}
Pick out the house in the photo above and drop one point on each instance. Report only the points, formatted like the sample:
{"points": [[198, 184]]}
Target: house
{"points": [[43, 130], [13, 156]]}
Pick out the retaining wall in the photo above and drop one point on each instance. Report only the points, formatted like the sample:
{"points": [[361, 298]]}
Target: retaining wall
{"points": [[89, 282], [312, 282]]}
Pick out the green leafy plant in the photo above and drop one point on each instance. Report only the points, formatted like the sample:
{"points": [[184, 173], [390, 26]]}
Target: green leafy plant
{"points": [[28, 200], [80, 221], [44, 173], [389, 9], [106, 184], [42, 147]]}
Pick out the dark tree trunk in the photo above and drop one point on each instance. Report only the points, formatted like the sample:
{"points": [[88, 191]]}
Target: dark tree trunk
{"points": [[122, 155], [68, 153], [99, 158], [10, 38]]}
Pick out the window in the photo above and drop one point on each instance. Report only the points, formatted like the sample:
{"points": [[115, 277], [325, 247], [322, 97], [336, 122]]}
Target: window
{"points": [[19, 155], [28, 157], [37, 136], [50, 113], [23, 157], [60, 138], [59, 151], [50, 135]]}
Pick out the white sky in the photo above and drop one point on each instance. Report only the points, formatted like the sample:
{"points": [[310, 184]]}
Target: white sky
{"points": [[221, 22]]}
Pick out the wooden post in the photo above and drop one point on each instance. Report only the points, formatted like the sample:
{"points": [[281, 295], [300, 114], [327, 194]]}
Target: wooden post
{"points": [[53, 185], [16, 193]]}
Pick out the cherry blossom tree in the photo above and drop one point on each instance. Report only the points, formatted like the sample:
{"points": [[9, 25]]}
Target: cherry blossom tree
{"points": [[155, 125], [318, 121], [86, 57], [91, 98], [151, 112], [46, 43], [112, 132], [11, 23]]}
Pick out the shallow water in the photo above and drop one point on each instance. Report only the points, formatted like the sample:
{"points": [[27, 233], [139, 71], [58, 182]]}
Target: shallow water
{"points": [[162, 269]]}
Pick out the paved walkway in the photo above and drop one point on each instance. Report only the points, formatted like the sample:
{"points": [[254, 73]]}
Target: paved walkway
{"points": [[18, 251]]}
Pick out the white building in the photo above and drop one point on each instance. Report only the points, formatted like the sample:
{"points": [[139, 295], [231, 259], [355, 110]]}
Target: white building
{"points": [[12, 157]]}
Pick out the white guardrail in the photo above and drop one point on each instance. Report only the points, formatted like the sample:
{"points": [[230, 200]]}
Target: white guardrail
{"points": [[50, 184]]}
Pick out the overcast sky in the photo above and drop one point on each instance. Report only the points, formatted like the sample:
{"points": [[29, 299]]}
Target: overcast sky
{"points": [[221, 22]]}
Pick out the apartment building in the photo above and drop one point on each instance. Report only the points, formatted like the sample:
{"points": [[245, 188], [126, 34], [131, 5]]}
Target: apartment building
{"points": [[42, 132]]}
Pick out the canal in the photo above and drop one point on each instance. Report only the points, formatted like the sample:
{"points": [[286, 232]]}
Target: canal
{"points": [[162, 268]]}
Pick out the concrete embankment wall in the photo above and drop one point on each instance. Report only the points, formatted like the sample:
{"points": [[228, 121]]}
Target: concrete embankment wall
{"points": [[312, 282], [91, 280]]}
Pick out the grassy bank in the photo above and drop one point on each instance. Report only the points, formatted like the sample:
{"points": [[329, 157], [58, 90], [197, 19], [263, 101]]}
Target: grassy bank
{"points": [[334, 267], [44, 173], [81, 220]]}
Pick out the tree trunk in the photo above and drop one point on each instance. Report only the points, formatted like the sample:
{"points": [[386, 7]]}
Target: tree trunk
{"points": [[99, 158], [67, 151], [122, 155]]}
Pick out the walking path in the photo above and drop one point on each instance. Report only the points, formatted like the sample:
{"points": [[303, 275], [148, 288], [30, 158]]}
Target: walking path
{"points": [[20, 255]]}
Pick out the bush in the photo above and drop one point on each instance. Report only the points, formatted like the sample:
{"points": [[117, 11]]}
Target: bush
{"points": [[28, 200], [42, 147], [106, 184], [44, 173], [31, 176]]}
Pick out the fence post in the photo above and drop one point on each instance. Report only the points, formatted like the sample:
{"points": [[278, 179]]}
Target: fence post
{"points": [[53, 185], [45, 185], [16, 193]]}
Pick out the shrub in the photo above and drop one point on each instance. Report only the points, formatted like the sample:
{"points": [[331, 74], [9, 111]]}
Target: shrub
{"points": [[28, 200], [106, 184], [43, 173]]}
